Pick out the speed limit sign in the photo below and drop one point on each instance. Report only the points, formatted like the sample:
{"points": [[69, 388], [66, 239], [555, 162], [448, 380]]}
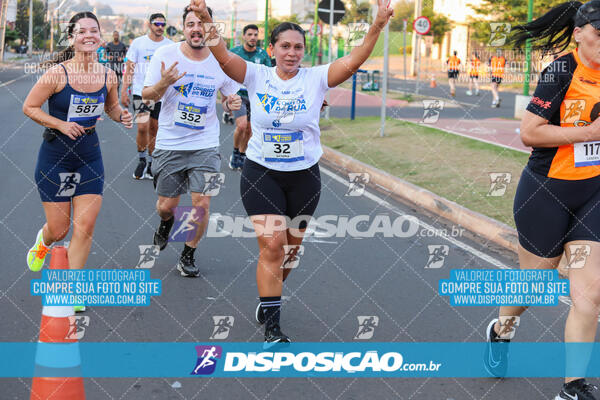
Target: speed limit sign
{"points": [[422, 25]]}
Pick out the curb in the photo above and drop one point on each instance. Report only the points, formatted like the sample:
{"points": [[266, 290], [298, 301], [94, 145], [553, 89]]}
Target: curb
{"points": [[406, 192]]}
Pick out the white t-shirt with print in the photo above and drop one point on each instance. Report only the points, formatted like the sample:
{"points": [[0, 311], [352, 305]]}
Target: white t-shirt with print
{"points": [[140, 52], [285, 116], [188, 117]]}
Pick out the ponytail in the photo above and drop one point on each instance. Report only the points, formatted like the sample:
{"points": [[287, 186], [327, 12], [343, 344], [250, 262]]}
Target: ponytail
{"points": [[60, 57], [551, 32]]}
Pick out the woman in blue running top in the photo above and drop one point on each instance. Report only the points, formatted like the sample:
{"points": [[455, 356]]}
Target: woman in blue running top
{"points": [[69, 171], [280, 182]]}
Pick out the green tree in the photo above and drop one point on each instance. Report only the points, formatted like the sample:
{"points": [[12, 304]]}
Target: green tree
{"points": [[513, 12], [357, 11], [40, 27], [404, 10]]}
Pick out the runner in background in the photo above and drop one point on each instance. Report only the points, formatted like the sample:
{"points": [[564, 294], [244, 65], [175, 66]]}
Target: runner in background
{"points": [[102, 56], [146, 115], [474, 67], [116, 54], [453, 63], [249, 52], [497, 64]]}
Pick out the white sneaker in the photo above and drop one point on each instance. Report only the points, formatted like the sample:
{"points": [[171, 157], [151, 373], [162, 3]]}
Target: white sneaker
{"points": [[469, 93]]}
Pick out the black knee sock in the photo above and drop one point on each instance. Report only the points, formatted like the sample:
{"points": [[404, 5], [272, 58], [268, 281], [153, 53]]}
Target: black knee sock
{"points": [[188, 251], [271, 307]]}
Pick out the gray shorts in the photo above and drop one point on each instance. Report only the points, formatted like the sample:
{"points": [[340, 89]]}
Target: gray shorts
{"points": [[244, 109], [177, 171]]}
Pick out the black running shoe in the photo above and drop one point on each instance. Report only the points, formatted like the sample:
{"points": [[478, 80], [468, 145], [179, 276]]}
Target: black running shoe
{"points": [[495, 358], [140, 169], [274, 336], [577, 390], [161, 236], [260, 314], [148, 173], [187, 266]]}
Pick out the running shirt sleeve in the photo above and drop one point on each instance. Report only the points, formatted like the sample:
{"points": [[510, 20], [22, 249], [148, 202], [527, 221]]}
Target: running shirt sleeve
{"points": [[320, 74], [229, 87], [132, 52], [254, 73], [550, 90], [153, 75]]}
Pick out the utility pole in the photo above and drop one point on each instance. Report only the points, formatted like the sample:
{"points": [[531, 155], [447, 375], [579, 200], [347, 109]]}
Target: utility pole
{"points": [[415, 39], [3, 15], [30, 38]]}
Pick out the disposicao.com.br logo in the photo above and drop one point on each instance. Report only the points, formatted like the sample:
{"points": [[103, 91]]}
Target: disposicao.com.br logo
{"points": [[289, 363]]}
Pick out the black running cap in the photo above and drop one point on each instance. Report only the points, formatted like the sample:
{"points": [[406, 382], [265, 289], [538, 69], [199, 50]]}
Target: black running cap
{"points": [[589, 13]]}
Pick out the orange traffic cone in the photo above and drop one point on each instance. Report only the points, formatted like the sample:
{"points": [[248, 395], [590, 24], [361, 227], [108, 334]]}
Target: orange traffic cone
{"points": [[62, 355], [433, 83]]}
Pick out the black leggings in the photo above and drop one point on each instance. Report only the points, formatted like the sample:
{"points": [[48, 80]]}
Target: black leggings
{"points": [[551, 212], [292, 194]]}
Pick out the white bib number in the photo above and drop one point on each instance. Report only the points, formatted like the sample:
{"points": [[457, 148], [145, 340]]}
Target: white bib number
{"points": [[190, 116], [586, 154], [84, 108], [283, 147]]}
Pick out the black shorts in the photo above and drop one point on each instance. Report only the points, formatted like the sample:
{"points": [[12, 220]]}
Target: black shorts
{"points": [[550, 212], [497, 79], [244, 109], [140, 107], [293, 193], [474, 77], [452, 74]]}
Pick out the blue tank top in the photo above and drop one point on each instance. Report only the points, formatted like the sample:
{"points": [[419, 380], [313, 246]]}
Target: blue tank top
{"points": [[81, 107]]}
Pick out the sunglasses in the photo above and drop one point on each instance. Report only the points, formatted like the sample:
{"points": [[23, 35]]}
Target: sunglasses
{"points": [[159, 23]]}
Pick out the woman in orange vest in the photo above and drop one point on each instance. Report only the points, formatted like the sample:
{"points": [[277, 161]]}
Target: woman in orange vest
{"points": [[556, 206], [497, 64], [474, 66], [453, 64]]}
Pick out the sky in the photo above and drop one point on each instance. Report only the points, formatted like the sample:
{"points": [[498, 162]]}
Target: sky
{"points": [[141, 8], [222, 8]]}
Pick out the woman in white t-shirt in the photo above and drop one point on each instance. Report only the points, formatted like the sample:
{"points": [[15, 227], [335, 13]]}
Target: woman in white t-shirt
{"points": [[280, 183]]}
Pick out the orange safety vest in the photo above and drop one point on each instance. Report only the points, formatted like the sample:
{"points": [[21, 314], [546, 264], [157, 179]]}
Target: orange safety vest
{"points": [[497, 66], [453, 63], [474, 67]]}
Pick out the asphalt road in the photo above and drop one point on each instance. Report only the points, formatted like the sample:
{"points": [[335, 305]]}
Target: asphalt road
{"points": [[338, 280]]}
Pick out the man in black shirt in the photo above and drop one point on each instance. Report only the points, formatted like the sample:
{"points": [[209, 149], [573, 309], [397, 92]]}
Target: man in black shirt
{"points": [[116, 51]]}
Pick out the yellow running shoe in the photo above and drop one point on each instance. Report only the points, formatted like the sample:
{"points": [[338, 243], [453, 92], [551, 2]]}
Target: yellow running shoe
{"points": [[37, 254]]}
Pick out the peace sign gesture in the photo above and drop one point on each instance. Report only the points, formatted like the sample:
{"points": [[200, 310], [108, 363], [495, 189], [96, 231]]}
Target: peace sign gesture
{"points": [[384, 13], [171, 75]]}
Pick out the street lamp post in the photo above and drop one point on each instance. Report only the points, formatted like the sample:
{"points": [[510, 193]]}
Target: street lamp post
{"points": [[266, 24], [528, 53]]}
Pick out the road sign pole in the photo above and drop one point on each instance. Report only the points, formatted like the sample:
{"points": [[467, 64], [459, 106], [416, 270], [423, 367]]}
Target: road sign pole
{"points": [[404, 46], [386, 51], [330, 50], [315, 27]]}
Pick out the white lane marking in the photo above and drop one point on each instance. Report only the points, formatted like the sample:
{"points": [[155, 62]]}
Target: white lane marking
{"points": [[12, 81], [457, 243]]}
